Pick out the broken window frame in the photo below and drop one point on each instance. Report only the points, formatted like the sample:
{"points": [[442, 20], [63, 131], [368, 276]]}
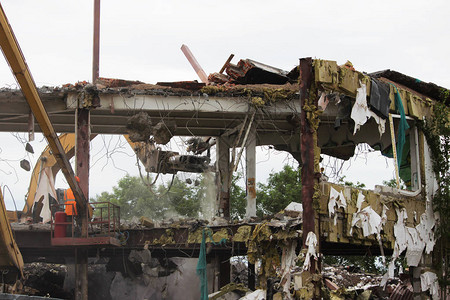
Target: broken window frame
{"points": [[416, 180]]}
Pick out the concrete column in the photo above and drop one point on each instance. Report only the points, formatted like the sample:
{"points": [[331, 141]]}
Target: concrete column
{"points": [[250, 165], [223, 166]]}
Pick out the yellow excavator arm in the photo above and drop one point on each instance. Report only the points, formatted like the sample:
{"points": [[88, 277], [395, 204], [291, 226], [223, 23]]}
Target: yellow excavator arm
{"points": [[47, 160], [10, 257]]}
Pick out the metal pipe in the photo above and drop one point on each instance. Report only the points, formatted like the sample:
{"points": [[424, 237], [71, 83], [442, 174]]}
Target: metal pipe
{"points": [[96, 48], [399, 116]]}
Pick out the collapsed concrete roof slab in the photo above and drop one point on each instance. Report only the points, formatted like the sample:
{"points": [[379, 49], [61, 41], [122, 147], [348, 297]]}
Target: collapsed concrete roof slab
{"points": [[214, 110]]}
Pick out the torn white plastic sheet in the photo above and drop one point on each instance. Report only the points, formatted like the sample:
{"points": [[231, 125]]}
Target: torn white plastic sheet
{"points": [[415, 247], [425, 228], [46, 187], [337, 200], [368, 220], [288, 259], [380, 121], [256, 295], [384, 215], [311, 242], [360, 201], [412, 239], [400, 232], [428, 281], [389, 273], [360, 112], [323, 101]]}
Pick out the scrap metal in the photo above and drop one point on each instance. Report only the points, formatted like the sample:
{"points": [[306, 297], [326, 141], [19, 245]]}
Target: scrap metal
{"points": [[248, 71], [96, 43]]}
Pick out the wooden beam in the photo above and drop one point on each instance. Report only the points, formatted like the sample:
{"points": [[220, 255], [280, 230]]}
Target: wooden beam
{"points": [[194, 63]]}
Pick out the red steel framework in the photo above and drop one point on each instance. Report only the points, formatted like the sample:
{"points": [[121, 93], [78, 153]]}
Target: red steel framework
{"points": [[103, 226]]}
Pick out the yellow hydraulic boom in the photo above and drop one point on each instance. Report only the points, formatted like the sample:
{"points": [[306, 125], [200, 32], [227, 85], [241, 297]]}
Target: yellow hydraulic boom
{"points": [[10, 256], [46, 159], [16, 61]]}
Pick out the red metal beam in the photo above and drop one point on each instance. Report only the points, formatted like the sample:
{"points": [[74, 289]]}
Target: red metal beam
{"points": [[306, 150], [83, 133]]}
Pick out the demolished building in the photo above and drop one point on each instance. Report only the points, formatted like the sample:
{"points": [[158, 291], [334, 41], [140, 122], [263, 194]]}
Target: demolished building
{"points": [[317, 108], [320, 108]]}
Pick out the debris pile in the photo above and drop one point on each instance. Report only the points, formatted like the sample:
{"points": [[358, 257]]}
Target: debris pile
{"points": [[350, 277], [45, 280], [248, 71]]}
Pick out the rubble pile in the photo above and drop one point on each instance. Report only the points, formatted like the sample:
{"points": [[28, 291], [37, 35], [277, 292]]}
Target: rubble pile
{"points": [[343, 277], [45, 280]]}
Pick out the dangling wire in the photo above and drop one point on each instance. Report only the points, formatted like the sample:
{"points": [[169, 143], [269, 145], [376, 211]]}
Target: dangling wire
{"points": [[150, 185], [14, 201], [145, 182]]}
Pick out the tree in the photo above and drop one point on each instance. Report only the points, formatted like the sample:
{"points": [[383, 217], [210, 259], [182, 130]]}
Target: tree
{"points": [[357, 263], [393, 183], [357, 185], [137, 199], [183, 199], [238, 198], [281, 189]]}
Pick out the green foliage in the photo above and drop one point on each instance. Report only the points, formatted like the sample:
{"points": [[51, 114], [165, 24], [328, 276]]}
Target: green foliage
{"points": [[238, 199], [437, 133], [357, 185], [393, 183], [281, 189], [182, 198], [360, 264], [137, 199], [363, 264], [444, 95]]}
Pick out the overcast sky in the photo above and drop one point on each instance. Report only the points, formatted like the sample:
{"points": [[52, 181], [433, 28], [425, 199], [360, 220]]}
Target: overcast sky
{"points": [[141, 40]]}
